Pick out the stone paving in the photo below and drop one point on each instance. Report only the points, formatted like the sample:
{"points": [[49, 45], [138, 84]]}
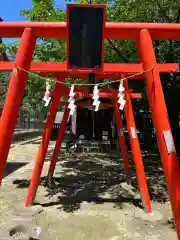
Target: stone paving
{"points": [[88, 200], [24, 134]]}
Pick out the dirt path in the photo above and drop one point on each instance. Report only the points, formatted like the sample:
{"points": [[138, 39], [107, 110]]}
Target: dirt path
{"points": [[89, 199]]}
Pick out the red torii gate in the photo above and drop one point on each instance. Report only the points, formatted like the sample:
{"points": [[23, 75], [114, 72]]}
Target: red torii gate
{"points": [[105, 93], [102, 94], [133, 139], [144, 34]]}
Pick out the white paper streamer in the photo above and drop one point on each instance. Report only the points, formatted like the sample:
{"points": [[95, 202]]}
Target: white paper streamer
{"points": [[72, 110], [70, 99], [95, 101], [71, 93], [47, 102], [122, 104], [121, 95], [95, 97], [96, 90], [97, 106], [46, 95], [71, 103], [121, 88]]}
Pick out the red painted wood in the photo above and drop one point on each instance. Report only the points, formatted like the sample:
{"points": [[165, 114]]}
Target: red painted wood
{"points": [[15, 95], [158, 31]]}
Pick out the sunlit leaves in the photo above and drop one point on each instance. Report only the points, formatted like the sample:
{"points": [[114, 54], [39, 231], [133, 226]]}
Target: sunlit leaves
{"points": [[118, 11]]}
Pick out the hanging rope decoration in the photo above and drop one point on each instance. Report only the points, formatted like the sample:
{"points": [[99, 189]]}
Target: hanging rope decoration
{"points": [[121, 95], [95, 97], [71, 101], [82, 84], [47, 97]]}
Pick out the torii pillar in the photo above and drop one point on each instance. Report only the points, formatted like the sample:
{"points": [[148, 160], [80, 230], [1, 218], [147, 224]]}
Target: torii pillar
{"points": [[161, 123], [45, 142], [15, 95]]}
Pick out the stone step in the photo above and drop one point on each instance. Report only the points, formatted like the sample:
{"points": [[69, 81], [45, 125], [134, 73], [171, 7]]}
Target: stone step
{"points": [[90, 146], [24, 134]]}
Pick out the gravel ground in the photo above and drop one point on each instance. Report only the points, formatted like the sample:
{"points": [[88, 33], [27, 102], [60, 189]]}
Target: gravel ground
{"points": [[88, 200]]}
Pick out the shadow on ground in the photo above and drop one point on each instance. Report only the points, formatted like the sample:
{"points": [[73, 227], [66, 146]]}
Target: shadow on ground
{"points": [[37, 142], [12, 167], [100, 179], [171, 223]]}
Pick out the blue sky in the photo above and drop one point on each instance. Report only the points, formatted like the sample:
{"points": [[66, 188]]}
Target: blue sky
{"points": [[10, 10]]}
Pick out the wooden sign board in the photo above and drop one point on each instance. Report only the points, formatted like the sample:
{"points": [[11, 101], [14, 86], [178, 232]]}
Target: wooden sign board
{"points": [[85, 40]]}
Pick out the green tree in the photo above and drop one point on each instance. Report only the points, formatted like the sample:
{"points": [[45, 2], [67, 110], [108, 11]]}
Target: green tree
{"points": [[4, 80], [121, 51]]}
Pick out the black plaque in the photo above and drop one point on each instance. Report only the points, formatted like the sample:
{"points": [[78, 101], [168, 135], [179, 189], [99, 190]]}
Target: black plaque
{"points": [[85, 30]]}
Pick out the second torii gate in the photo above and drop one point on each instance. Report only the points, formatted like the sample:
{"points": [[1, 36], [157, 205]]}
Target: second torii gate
{"points": [[132, 133]]}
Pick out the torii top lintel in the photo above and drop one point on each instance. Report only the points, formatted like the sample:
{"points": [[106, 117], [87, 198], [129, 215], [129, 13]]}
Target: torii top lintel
{"points": [[158, 31], [112, 31]]}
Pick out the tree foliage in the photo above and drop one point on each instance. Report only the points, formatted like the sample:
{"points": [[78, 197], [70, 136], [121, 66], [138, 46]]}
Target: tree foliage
{"points": [[117, 11], [119, 51]]}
